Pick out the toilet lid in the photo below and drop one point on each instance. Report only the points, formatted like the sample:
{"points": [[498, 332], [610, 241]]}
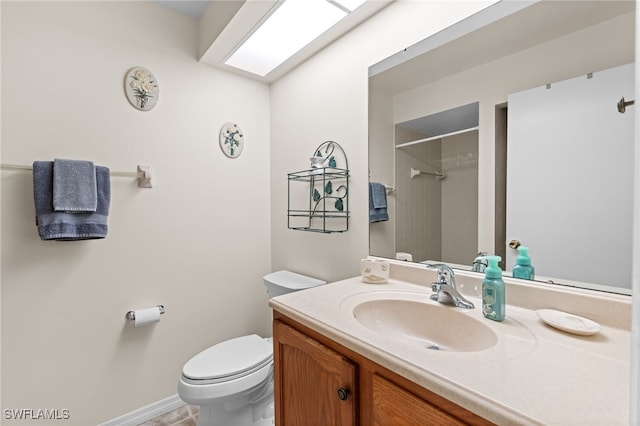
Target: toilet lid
{"points": [[230, 359]]}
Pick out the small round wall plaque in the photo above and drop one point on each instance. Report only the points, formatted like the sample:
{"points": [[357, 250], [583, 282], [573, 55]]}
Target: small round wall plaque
{"points": [[141, 88], [231, 140]]}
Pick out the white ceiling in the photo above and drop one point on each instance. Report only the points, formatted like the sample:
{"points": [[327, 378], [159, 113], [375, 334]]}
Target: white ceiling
{"points": [[193, 8], [226, 23]]}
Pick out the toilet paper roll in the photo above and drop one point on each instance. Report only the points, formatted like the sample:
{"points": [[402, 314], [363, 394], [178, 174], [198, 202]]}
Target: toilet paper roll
{"points": [[146, 316]]}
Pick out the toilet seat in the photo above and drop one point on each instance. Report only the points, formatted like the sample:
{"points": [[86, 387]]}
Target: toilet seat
{"points": [[228, 360]]}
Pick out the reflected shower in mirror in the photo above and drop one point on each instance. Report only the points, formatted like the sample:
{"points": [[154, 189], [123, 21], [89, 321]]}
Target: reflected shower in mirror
{"points": [[436, 185]]}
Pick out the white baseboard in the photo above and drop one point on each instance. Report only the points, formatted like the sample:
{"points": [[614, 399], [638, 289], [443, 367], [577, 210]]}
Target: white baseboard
{"points": [[147, 412]]}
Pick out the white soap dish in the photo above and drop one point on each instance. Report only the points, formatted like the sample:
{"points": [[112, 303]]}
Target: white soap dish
{"points": [[568, 322]]}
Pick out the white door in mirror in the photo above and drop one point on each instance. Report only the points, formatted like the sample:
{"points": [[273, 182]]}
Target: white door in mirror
{"points": [[568, 322]]}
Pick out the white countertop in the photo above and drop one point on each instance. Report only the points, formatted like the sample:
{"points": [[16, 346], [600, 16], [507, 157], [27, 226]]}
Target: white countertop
{"points": [[535, 374]]}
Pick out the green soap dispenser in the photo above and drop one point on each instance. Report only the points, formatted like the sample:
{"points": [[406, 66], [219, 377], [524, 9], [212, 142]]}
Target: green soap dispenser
{"points": [[493, 298], [523, 268]]}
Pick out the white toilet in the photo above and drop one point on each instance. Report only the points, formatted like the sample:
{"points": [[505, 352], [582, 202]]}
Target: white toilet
{"points": [[232, 381]]}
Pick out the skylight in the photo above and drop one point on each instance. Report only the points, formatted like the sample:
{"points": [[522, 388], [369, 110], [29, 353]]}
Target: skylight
{"points": [[292, 25]]}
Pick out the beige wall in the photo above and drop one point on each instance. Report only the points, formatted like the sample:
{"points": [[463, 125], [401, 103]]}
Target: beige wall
{"points": [[198, 242], [326, 99], [382, 235]]}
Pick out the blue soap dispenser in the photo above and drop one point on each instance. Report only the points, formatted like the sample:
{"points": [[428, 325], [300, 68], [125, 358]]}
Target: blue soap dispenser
{"points": [[493, 298], [523, 268]]}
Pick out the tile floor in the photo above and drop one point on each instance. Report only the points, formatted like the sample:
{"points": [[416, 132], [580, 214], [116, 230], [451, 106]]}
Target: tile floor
{"points": [[183, 416]]}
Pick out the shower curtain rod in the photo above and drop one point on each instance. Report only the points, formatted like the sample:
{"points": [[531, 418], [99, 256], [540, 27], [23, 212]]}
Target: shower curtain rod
{"points": [[438, 175]]}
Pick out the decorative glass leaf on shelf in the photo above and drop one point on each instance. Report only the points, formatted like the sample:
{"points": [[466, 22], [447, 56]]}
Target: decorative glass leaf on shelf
{"points": [[328, 189], [332, 162], [316, 195], [339, 205]]}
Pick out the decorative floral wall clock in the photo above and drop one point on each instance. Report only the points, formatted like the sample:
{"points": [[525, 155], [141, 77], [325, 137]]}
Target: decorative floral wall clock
{"points": [[231, 140], [141, 88]]}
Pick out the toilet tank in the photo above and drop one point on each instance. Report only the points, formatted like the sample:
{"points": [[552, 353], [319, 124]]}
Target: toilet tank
{"points": [[283, 282]]}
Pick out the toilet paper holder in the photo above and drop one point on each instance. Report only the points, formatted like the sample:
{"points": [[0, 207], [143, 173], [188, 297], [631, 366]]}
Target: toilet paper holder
{"points": [[131, 315]]}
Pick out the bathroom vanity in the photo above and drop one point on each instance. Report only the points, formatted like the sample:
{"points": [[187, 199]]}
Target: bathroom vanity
{"points": [[322, 380], [356, 353]]}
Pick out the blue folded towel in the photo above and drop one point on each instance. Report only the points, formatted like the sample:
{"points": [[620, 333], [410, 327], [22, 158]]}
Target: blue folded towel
{"points": [[74, 186], [62, 226], [377, 202]]}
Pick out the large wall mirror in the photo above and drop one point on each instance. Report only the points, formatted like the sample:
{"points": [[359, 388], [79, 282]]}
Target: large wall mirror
{"points": [[507, 129]]}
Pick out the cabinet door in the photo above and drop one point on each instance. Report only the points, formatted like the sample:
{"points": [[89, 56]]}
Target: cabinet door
{"points": [[393, 405], [314, 385]]}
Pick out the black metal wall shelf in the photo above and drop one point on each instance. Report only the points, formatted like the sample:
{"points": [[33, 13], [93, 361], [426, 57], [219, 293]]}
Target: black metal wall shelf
{"points": [[318, 198]]}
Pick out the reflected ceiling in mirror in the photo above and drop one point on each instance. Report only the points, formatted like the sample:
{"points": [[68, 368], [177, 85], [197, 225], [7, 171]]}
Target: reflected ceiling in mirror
{"points": [[445, 122]]}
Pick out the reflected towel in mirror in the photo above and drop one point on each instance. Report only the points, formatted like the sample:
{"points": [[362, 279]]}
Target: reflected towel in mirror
{"points": [[377, 202]]}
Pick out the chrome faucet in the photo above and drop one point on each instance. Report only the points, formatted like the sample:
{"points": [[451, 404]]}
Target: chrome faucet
{"points": [[480, 263], [444, 290]]}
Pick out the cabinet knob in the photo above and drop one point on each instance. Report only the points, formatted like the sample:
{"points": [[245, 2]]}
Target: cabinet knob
{"points": [[343, 394]]}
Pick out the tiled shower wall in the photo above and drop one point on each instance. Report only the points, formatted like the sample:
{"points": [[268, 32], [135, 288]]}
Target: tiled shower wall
{"points": [[418, 199], [437, 219]]}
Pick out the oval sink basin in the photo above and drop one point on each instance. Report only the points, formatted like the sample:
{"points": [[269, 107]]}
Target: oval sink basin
{"points": [[432, 326]]}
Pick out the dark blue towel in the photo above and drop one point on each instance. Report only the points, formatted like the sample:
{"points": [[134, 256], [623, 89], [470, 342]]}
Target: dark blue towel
{"points": [[61, 226], [377, 202]]}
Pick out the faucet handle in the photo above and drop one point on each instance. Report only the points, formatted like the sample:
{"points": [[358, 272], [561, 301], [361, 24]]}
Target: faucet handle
{"points": [[480, 262], [444, 290], [445, 274]]}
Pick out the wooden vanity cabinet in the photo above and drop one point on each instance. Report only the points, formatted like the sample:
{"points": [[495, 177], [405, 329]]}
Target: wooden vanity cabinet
{"points": [[320, 382], [314, 383], [394, 405]]}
